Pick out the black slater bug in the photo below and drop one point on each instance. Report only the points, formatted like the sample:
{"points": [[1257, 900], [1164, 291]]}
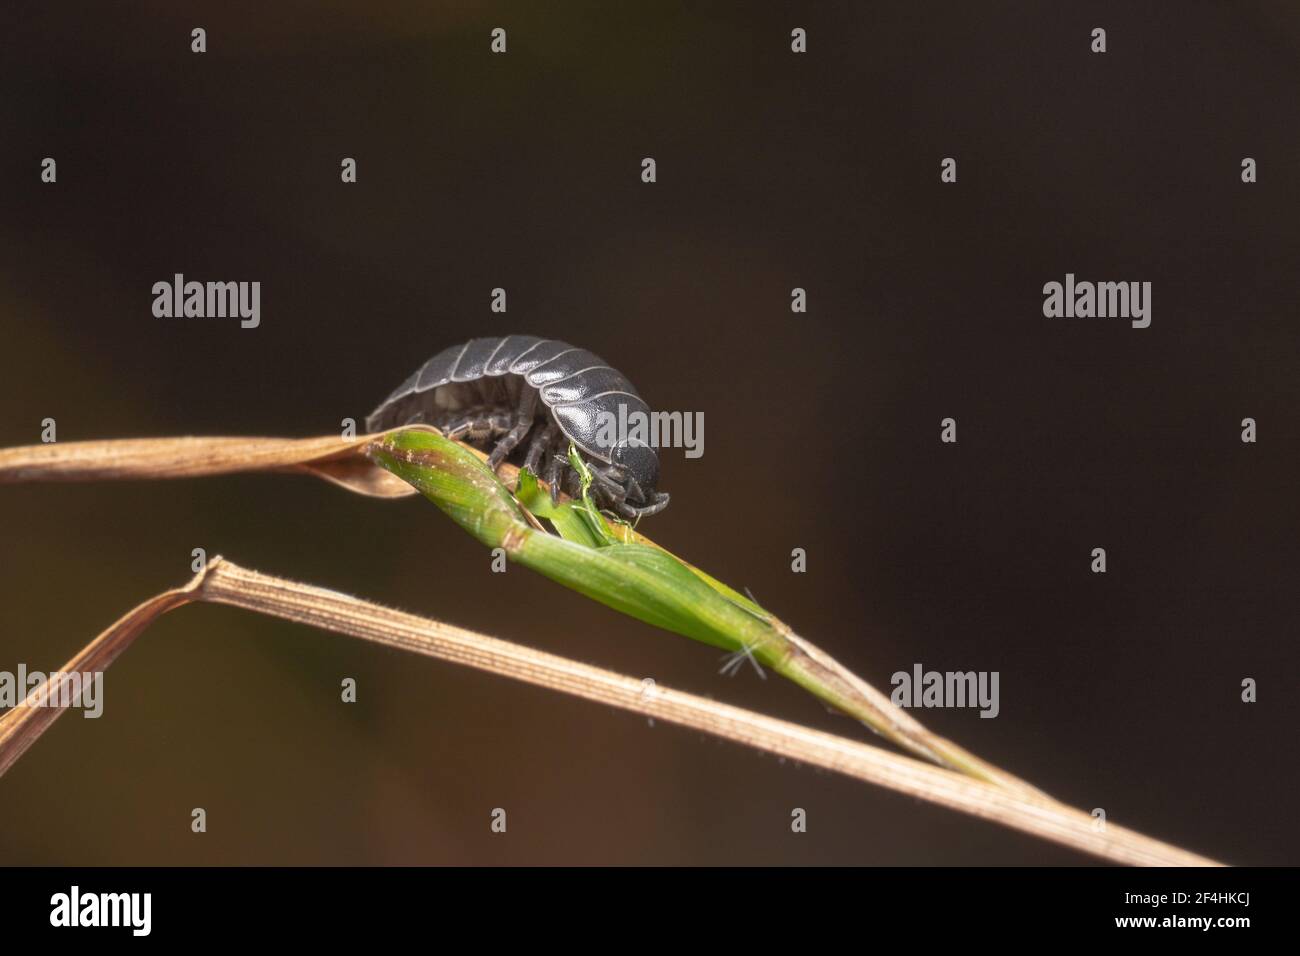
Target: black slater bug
{"points": [[495, 391]]}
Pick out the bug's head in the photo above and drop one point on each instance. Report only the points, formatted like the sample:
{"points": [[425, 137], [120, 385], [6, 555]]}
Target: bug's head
{"points": [[636, 470]]}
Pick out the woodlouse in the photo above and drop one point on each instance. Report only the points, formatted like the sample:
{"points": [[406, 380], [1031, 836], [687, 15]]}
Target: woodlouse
{"points": [[492, 392]]}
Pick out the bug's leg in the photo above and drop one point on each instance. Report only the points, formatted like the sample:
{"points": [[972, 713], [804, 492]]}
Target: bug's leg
{"points": [[556, 465], [469, 425], [498, 423], [523, 424], [456, 427], [572, 483], [542, 438], [619, 504], [607, 492], [659, 503]]}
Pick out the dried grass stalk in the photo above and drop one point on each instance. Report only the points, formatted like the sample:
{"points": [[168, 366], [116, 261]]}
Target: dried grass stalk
{"points": [[330, 457], [225, 583]]}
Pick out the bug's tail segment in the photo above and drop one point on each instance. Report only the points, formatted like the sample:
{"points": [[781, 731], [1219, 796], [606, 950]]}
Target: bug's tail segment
{"points": [[390, 411], [392, 414], [385, 417]]}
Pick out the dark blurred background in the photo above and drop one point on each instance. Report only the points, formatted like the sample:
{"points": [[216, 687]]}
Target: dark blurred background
{"points": [[775, 170]]}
